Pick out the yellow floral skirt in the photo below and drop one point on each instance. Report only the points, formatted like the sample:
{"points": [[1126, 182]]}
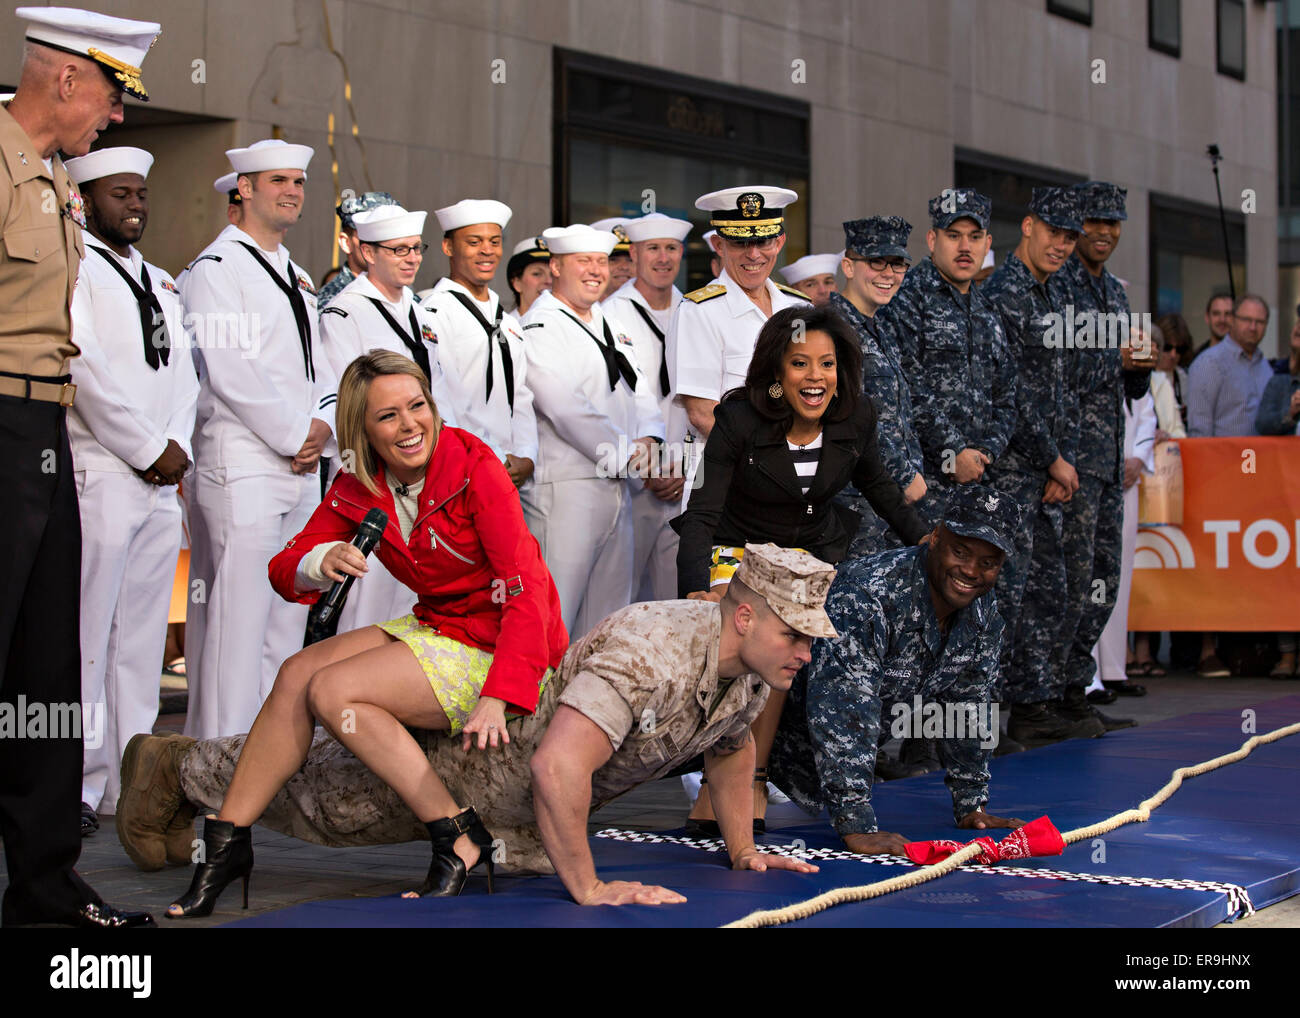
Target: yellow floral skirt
{"points": [[455, 670], [724, 563]]}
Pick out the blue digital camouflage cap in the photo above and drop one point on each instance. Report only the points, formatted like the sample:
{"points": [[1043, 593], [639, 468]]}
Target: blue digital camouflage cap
{"points": [[984, 512], [355, 203], [960, 203], [1057, 206], [1101, 200], [877, 236]]}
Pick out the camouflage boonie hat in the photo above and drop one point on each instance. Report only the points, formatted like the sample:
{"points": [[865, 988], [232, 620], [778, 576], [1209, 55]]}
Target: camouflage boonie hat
{"points": [[1101, 200], [983, 512], [793, 583], [1057, 206], [353, 204], [960, 203], [877, 237]]}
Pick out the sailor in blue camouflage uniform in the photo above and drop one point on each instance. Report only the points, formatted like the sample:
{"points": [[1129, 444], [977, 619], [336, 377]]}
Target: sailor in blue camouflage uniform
{"points": [[348, 243], [917, 622], [953, 351], [875, 261], [1102, 376], [1037, 468]]}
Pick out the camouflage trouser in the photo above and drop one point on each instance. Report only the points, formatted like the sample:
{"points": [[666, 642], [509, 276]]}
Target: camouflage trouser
{"points": [[1093, 542], [1031, 593], [335, 800], [874, 534]]}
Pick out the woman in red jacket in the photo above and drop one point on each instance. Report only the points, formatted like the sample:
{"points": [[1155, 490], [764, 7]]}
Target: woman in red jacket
{"points": [[479, 644]]}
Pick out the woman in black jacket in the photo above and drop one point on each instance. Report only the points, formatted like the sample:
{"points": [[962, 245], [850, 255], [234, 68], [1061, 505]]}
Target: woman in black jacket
{"points": [[781, 448]]}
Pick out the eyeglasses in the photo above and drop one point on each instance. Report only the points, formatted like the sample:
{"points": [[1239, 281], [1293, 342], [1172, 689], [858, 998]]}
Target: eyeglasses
{"points": [[882, 264], [1257, 323], [764, 244], [402, 250]]}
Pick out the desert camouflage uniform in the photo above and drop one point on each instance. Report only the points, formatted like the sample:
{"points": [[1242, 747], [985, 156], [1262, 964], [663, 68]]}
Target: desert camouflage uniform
{"points": [[889, 649], [647, 676]]}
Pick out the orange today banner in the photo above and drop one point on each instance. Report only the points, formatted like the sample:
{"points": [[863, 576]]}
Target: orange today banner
{"points": [[1234, 562]]}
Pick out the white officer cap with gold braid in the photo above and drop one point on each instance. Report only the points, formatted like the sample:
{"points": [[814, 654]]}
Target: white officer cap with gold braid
{"points": [[118, 45], [747, 213], [107, 161]]}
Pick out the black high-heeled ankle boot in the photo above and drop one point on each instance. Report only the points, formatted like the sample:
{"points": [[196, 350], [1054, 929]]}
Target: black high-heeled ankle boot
{"points": [[447, 872], [228, 853]]}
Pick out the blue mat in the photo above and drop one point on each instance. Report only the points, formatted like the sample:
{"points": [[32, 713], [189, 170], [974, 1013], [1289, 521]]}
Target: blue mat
{"points": [[1239, 826]]}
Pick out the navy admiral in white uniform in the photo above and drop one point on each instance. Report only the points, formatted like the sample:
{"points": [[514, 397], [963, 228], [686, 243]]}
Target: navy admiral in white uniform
{"points": [[482, 348], [597, 422], [645, 305], [378, 311], [265, 416], [712, 336], [130, 429]]}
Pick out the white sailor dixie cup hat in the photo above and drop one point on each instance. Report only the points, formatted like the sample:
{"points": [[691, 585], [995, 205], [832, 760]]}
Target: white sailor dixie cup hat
{"points": [[656, 226], [118, 45], [747, 213], [271, 154], [107, 161], [471, 211], [388, 222], [226, 183], [811, 265], [578, 238]]}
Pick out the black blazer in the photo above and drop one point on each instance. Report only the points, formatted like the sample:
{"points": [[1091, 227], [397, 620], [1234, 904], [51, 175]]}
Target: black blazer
{"points": [[751, 493]]}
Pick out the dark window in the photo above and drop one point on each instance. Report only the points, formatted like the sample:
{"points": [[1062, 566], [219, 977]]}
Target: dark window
{"points": [[1230, 29], [1188, 261], [1164, 26], [1075, 10], [627, 136]]}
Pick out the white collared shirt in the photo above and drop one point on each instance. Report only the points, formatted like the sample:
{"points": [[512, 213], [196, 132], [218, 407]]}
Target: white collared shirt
{"points": [[351, 325], [583, 429], [256, 401], [464, 348], [125, 412]]}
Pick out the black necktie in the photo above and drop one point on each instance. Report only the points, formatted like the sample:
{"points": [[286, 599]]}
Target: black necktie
{"points": [[659, 335], [151, 312], [493, 333], [615, 363], [291, 290], [413, 342]]}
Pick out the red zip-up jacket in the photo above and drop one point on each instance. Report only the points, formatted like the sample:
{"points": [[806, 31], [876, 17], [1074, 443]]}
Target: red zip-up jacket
{"points": [[478, 571]]}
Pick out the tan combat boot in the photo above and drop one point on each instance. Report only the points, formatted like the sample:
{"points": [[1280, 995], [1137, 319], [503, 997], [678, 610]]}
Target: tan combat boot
{"points": [[152, 812]]}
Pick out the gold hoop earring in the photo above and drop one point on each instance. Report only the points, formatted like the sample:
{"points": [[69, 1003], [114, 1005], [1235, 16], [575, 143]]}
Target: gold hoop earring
{"points": [[775, 391]]}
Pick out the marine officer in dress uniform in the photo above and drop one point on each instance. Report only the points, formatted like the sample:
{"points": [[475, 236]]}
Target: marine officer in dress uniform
{"points": [[813, 275], [482, 349], [353, 264], [76, 65], [645, 305], [378, 311], [713, 332], [265, 417], [597, 422], [130, 430]]}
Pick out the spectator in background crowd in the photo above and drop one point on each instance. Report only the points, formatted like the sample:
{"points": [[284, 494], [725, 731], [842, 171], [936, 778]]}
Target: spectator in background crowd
{"points": [[1218, 318], [1279, 408], [1226, 384], [1171, 371]]}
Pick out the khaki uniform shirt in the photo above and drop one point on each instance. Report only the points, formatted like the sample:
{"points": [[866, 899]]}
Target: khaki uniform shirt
{"points": [[39, 257], [647, 676]]}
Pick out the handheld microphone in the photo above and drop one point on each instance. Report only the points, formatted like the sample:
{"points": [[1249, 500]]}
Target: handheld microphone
{"points": [[323, 619]]}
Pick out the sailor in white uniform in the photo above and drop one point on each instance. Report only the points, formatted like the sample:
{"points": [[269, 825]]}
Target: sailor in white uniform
{"points": [[482, 349], [597, 422], [265, 417], [713, 332], [645, 305], [378, 311], [130, 431], [813, 275]]}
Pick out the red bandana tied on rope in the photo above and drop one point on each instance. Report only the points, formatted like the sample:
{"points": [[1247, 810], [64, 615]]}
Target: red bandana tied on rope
{"points": [[1038, 837]]}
